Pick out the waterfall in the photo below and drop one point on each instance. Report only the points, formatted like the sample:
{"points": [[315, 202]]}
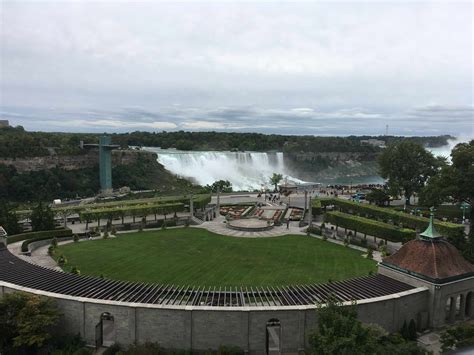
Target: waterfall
{"points": [[245, 170]]}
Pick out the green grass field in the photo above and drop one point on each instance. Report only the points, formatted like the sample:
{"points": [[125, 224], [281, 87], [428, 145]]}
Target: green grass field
{"points": [[192, 256]]}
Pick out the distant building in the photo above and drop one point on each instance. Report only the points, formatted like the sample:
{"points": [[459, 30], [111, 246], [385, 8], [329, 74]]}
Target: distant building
{"points": [[4, 123], [374, 142]]}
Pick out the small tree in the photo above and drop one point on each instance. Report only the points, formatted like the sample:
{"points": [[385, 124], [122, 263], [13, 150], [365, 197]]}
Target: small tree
{"points": [[9, 219], [275, 180], [412, 330], [42, 218], [404, 331]]}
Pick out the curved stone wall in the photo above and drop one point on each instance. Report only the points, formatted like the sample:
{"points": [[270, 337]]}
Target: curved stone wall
{"points": [[160, 314]]}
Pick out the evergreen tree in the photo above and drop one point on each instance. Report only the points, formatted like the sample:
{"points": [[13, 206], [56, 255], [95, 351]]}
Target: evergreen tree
{"points": [[412, 330]]}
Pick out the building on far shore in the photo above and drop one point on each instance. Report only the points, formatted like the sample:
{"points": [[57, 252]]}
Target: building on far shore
{"points": [[374, 142], [4, 123]]}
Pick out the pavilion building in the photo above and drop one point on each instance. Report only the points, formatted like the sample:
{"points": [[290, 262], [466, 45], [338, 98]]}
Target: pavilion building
{"points": [[432, 262]]}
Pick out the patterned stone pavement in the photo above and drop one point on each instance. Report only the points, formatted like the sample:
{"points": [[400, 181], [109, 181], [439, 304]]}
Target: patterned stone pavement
{"points": [[218, 226]]}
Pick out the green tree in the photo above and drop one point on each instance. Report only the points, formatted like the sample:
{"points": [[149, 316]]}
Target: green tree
{"points": [[457, 337], [455, 183], [339, 332], [26, 321], [9, 219], [379, 197], [222, 185], [275, 180], [42, 218], [407, 166]]}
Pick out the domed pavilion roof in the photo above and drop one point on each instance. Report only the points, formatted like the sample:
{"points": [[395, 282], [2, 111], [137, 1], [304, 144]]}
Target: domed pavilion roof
{"points": [[431, 257]]}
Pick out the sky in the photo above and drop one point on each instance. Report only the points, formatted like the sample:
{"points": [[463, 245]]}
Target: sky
{"points": [[322, 68]]}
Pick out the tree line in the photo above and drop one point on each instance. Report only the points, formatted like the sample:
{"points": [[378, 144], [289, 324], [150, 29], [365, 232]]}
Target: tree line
{"points": [[15, 142]]}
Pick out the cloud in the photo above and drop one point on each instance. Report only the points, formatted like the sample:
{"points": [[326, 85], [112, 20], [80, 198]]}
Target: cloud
{"points": [[332, 68]]}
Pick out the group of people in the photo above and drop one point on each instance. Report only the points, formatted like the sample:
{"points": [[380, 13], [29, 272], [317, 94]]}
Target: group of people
{"points": [[271, 197]]}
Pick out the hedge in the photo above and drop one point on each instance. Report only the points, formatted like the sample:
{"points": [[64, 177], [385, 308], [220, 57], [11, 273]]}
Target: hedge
{"points": [[447, 229], [64, 232], [316, 207], [26, 243], [138, 210], [369, 226]]}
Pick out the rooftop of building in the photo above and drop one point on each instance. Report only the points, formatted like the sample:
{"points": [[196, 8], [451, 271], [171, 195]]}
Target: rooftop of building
{"points": [[431, 257]]}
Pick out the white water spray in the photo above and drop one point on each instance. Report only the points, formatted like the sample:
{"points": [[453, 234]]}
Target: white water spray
{"points": [[245, 170]]}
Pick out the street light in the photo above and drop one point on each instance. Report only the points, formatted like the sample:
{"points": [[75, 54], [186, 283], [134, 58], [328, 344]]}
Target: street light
{"points": [[464, 207]]}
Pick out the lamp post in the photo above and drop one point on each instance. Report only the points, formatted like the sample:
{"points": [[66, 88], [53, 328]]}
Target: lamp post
{"points": [[464, 207]]}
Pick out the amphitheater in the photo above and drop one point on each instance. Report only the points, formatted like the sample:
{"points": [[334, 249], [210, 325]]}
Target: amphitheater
{"points": [[427, 280]]}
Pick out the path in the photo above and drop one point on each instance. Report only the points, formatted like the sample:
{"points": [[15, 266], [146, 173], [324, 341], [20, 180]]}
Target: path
{"points": [[218, 226]]}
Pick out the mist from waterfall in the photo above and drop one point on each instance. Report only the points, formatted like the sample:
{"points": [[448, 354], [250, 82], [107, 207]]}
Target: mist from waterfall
{"points": [[245, 170]]}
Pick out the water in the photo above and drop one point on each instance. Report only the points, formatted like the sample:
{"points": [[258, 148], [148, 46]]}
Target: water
{"points": [[445, 150], [245, 170]]}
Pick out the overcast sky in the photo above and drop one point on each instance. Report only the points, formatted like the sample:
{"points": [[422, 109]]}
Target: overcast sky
{"points": [[298, 68]]}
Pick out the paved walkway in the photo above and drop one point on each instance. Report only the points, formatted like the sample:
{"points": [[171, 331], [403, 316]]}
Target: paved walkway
{"points": [[218, 226]]}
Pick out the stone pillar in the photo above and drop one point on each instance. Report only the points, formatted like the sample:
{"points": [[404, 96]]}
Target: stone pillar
{"points": [[469, 305], [191, 207], [310, 211], [452, 309], [462, 307]]}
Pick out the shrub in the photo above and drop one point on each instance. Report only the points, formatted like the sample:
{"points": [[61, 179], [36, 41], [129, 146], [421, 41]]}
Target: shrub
{"points": [[113, 349], [75, 270], [369, 226], [163, 225], [113, 230], [54, 243], [51, 250], [370, 253], [75, 238], [62, 260]]}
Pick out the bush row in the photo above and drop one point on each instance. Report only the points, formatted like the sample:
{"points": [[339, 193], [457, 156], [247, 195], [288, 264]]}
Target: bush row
{"points": [[32, 235], [65, 233], [369, 226], [447, 229]]}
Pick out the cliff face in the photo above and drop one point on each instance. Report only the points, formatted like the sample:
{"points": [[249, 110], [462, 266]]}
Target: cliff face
{"points": [[331, 166], [89, 159]]}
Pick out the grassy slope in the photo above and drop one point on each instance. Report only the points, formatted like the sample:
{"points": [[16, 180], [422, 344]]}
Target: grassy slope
{"points": [[194, 256]]}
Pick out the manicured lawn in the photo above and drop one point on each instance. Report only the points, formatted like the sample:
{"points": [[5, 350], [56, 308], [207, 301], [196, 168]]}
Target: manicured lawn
{"points": [[192, 256]]}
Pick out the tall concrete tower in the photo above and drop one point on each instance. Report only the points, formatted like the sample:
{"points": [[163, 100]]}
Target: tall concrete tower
{"points": [[105, 162]]}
